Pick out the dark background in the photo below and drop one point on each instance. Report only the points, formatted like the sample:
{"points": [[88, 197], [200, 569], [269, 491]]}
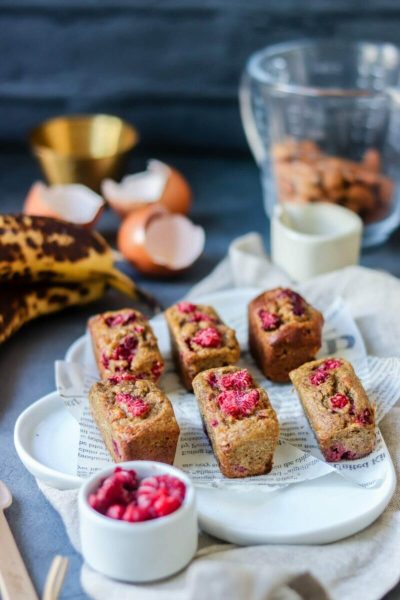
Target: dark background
{"points": [[169, 66]]}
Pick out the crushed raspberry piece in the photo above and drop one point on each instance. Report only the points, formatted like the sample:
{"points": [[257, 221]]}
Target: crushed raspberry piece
{"points": [[365, 417], [212, 380], [298, 305], [238, 403], [269, 320], [207, 338], [339, 401], [186, 307], [298, 302], [339, 452], [349, 455], [127, 477], [334, 454], [105, 361], [318, 377], [198, 316], [120, 319], [115, 379], [116, 448], [115, 489], [213, 422], [135, 407], [139, 329], [239, 469], [135, 514], [121, 496], [126, 350], [160, 495], [320, 374], [239, 380], [330, 363], [157, 369], [94, 503], [116, 511]]}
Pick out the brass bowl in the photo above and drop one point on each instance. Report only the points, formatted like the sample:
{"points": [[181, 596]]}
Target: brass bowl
{"points": [[83, 148]]}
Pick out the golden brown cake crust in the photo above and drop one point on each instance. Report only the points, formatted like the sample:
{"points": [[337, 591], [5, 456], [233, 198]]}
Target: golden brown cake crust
{"points": [[284, 332], [337, 407], [239, 420], [199, 340], [136, 420], [124, 342]]}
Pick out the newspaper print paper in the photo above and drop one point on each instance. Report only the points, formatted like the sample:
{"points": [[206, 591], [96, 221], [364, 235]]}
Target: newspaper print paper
{"points": [[297, 457]]}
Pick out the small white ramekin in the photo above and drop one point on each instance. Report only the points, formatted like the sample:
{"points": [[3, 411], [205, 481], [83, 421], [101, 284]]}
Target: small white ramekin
{"points": [[138, 552], [311, 239]]}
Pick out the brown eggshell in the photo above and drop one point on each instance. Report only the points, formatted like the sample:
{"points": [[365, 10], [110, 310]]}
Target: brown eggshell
{"points": [[150, 228], [176, 195], [36, 204], [131, 240]]}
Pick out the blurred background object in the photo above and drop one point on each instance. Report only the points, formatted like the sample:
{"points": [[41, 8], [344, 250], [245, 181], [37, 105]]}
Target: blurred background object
{"points": [[310, 239], [171, 67], [83, 148], [73, 202], [322, 120], [158, 184], [158, 242]]}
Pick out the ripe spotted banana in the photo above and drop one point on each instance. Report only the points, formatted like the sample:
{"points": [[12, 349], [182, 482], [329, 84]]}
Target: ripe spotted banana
{"points": [[42, 249], [18, 305]]}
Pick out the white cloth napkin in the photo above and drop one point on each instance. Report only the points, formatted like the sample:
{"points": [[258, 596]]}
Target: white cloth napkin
{"points": [[366, 565]]}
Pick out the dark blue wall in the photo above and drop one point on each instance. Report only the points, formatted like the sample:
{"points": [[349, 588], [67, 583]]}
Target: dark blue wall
{"points": [[170, 66]]}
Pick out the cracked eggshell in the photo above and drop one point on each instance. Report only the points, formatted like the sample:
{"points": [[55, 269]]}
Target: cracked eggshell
{"points": [[158, 184], [74, 203], [158, 242]]}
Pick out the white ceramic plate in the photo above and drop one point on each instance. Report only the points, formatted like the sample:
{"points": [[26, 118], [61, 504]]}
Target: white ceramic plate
{"points": [[46, 439], [319, 511]]}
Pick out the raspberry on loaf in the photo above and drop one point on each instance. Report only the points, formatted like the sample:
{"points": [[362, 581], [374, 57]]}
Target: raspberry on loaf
{"points": [[199, 340], [337, 408], [124, 343], [240, 422], [284, 332], [136, 420]]}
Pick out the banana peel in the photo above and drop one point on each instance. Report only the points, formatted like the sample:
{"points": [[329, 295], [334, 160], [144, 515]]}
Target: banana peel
{"points": [[42, 249], [19, 304]]}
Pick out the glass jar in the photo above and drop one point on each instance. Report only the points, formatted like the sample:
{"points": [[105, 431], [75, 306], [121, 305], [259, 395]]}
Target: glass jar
{"points": [[322, 119]]}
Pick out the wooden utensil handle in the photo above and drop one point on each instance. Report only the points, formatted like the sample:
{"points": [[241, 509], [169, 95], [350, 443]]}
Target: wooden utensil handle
{"points": [[15, 583]]}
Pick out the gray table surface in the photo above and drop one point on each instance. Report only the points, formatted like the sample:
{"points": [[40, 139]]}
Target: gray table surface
{"points": [[227, 204]]}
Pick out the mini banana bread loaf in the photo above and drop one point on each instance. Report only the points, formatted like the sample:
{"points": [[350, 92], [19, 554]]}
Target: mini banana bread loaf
{"points": [[124, 342], [199, 340], [284, 332], [136, 420], [337, 408], [239, 420]]}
